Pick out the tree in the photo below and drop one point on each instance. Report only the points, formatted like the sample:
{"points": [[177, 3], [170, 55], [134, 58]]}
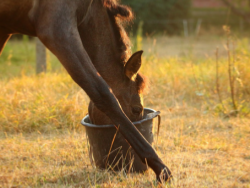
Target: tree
{"points": [[240, 11]]}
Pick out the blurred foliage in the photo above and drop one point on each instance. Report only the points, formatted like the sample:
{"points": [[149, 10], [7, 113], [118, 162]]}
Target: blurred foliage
{"points": [[160, 15], [216, 18], [234, 14], [243, 5]]}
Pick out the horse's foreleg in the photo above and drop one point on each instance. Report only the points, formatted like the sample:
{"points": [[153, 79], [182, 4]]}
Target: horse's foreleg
{"points": [[67, 46], [75, 59], [4, 37]]}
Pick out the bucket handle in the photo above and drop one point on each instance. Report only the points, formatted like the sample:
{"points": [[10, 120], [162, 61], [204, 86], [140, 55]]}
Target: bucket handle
{"points": [[153, 115]]}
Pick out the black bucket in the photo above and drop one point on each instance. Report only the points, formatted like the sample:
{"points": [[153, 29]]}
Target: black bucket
{"points": [[109, 150]]}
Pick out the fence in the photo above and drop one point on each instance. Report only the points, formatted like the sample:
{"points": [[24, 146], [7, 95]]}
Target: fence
{"points": [[205, 18], [199, 19], [193, 26], [41, 60]]}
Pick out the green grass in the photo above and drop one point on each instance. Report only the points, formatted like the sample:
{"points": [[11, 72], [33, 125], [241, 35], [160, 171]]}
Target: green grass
{"points": [[18, 58], [43, 144]]}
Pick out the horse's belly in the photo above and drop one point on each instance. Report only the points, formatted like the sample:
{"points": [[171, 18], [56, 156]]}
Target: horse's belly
{"points": [[14, 16]]}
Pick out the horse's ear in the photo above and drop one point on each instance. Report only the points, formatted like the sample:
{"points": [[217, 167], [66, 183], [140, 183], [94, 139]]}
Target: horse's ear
{"points": [[133, 65]]}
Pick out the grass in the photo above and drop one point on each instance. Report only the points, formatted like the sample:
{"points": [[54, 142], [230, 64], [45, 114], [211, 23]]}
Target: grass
{"points": [[43, 144]]}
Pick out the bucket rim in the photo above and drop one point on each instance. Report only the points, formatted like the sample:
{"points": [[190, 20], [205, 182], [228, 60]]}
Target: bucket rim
{"points": [[90, 125]]}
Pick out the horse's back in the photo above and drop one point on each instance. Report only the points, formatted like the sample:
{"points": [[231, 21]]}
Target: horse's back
{"points": [[20, 16]]}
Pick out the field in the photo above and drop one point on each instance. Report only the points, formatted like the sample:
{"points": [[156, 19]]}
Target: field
{"points": [[205, 129]]}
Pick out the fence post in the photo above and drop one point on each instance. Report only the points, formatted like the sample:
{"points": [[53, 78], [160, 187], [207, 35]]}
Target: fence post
{"points": [[41, 64], [241, 25], [185, 26], [198, 27]]}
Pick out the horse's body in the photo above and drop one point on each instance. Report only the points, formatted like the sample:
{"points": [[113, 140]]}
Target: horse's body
{"points": [[87, 39]]}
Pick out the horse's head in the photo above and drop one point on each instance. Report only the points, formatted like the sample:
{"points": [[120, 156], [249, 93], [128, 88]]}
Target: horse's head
{"points": [[128, 93], [108, 46], [130, 96]]}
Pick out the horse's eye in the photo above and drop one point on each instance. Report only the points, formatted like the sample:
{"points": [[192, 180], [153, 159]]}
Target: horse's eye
{"points": [[137, 110]]}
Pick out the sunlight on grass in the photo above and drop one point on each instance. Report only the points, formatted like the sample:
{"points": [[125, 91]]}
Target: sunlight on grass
{"points": [[41, 103], [43, 143]]}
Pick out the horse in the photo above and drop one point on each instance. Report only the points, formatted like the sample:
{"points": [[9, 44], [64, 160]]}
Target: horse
{"points": [[88, 39]]}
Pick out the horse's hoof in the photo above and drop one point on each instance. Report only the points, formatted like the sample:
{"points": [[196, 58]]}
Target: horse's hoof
{"points": [[165, 176]]}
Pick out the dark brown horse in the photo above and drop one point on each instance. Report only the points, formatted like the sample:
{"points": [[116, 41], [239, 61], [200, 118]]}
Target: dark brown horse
{"points": [[89, 41]]}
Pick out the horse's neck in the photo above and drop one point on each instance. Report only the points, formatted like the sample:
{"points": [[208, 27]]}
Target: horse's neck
{"points": [[99, 40]]}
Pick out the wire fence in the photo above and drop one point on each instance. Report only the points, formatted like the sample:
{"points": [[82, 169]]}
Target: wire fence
{"points": [[187, 27], [194, 25]]}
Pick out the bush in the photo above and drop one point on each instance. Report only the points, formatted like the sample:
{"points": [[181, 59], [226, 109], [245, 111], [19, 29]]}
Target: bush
{"points": [[160, 15]]}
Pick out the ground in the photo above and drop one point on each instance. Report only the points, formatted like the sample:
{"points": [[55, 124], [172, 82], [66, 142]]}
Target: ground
{"points": [[204, 144]]}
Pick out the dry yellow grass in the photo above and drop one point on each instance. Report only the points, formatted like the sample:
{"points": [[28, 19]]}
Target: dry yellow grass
{"points": [[42, 143], [200, 150], [35, 103]]}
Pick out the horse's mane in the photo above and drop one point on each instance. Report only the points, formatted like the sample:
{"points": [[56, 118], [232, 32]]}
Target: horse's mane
{"points": [[117, 9], [120, 15]]}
